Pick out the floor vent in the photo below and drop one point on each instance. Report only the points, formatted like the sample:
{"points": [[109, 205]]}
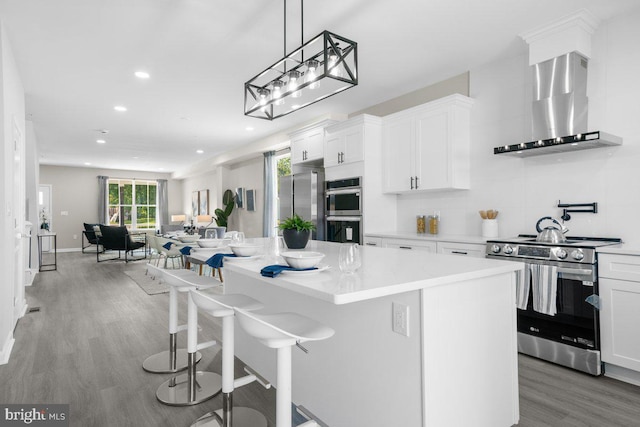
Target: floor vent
{"points": [[34, 309]]}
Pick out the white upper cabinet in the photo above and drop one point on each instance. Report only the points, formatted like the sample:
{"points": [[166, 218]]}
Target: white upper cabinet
{"points": [[428, 147], [307, 146], [344, 142]]}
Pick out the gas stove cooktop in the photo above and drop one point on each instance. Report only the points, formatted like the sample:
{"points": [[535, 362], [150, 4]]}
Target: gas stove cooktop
{"points": [[580, 250]]}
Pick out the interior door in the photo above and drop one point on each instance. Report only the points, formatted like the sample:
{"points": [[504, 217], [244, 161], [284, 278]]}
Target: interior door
{"points": [[18, 219], [44, 209]]}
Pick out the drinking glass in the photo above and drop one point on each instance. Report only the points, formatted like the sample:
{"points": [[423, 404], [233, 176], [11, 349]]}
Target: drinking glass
{"points": [[349, 257], [238, 237], [275, 245]]}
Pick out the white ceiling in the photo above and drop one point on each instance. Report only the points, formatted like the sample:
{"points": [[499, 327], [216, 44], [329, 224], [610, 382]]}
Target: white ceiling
{"points": [[77, 59]]}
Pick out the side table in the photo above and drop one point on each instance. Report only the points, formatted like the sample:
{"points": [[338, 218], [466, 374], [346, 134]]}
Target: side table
{"points": [[50, 266]]}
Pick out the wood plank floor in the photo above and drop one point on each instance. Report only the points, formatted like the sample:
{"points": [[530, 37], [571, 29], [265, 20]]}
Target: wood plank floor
{"points": [[95, 327]]}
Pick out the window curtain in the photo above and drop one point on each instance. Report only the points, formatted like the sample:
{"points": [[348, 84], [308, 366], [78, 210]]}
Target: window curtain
{"points": [[103, 202], [269, 213], [162, 203]]}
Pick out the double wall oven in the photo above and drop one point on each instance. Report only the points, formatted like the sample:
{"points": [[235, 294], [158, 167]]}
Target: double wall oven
{"points": [[566, 274], [343, 210]]}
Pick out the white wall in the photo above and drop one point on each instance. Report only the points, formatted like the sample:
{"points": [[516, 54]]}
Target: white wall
{"points": [[11, 111], [524, 190], [206, 181], [32, 181], [75, 191]]}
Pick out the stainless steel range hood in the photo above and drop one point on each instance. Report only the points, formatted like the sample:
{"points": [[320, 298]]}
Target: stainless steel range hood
{"points": [[560, 110]]}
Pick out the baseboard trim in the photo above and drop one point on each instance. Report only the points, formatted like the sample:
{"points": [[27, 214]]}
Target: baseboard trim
{"points": [[7, 346], [622, 374], [30, 274], [70, 250]]}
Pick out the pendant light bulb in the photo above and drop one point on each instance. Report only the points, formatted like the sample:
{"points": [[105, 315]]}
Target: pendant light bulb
{"points": [[277, 91], [333, 60], [263, 96], [310, 75], [294, 75]]}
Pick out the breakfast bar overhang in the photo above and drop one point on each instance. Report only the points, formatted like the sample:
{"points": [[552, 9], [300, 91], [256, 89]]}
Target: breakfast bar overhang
{"points": [[457, 366]]}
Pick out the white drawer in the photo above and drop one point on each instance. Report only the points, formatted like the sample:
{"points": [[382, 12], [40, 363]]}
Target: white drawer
{"points": [[373, 241], [624, 267], [410, 244], [464, 249]]}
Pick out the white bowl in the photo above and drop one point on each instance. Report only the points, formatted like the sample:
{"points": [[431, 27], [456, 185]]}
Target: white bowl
{"points": [[189, 238], [210, 243], [244, 249], [302, 259]]}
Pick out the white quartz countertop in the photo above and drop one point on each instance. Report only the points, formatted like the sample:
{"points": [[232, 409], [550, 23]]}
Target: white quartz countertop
{"points": [[624, 249], [430, 237], [384, 271]]}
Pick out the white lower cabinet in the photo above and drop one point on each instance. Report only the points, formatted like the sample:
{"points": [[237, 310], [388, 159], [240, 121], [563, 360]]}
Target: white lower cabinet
{"points": [[620, 310], [373, 241], [417, 245], [464, 249]]}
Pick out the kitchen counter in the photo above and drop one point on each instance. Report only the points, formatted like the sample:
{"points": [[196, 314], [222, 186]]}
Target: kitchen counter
{"points": [[450, 344], [430, 237], [624, 249], [384, 272]]}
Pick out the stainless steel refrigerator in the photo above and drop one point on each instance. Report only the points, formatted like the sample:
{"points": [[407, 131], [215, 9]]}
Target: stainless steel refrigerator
{"points": [[303, 193]]}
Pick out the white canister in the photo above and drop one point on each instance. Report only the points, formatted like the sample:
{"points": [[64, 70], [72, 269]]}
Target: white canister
{"points": [[489, 228]]}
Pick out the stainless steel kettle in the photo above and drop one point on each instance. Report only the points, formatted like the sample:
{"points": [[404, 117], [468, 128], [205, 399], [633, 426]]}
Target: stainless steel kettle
{"points": [[551, 234]]}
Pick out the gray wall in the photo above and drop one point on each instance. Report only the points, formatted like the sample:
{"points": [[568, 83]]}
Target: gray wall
{"points": [[75, 191]]}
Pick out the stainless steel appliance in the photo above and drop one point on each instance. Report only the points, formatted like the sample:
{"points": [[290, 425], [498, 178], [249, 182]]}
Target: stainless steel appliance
{"points": [[571, 336], [302, 193], [343, 210]]}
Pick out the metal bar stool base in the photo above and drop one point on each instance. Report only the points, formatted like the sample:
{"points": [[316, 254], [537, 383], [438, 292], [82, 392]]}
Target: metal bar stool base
{"points": [[159, 363], [175, 391], [242, 417]]}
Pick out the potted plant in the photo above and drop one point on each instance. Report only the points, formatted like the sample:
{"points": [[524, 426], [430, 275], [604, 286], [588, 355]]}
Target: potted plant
{"points": [[296, 231], [222, 216]]}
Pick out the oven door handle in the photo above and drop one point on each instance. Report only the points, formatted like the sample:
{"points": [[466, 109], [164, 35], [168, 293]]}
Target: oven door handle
{"points": [[576, 271], [345, 218], [355, 191]]}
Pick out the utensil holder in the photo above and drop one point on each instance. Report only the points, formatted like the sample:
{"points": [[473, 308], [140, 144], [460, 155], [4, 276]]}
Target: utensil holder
{"points": [[489, 228]]}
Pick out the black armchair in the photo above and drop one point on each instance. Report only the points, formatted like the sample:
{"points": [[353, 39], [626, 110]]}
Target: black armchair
{"points": [[90, 236], [118, 239]]}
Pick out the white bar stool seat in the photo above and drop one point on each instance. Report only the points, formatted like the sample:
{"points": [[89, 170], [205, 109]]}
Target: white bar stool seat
{"points": [[192, 387], [282, 331], [172, 360], [222, 306]]}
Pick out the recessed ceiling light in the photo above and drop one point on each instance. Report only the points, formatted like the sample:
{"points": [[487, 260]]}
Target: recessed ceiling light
{"points": [[101, 141], [160, 169], [142, 74], [199, 151], [120, 108], [249, 128], [136, 157], [87, 164]]}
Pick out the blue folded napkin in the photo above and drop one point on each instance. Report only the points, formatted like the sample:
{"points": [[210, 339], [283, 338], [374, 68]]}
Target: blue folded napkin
{"points": [[167, 245], [274, 270], [185, 250], [216, 260]]}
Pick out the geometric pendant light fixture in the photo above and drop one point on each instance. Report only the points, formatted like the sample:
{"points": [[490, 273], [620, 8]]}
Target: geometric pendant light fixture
{"points": [[318, 69]]}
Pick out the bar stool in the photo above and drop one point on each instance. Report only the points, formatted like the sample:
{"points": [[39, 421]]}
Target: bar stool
{"points": [[172, 360], [282, 331], [193, 387], [222, 306]]}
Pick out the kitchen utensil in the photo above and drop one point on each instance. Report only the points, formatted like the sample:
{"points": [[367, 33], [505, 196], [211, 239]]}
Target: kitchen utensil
{"points": [[551, 234], [483, 214]]}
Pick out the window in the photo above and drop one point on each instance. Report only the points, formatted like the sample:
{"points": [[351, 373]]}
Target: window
{"points": [[132, 203]]}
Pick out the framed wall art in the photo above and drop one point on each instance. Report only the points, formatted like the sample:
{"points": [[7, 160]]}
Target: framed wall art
{"points": [[251, 200], [195, 204], [240, 197], [204, 202]]}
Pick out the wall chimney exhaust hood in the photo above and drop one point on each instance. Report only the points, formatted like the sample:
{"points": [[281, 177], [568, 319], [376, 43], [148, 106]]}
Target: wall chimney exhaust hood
{"points": [[560, 106]]}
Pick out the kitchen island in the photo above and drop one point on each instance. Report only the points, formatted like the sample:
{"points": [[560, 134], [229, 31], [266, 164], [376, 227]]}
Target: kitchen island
{"points": [[456, 367]]}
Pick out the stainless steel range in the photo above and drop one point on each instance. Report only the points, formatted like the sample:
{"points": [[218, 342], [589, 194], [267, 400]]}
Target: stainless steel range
{"points": [[557, 298]]}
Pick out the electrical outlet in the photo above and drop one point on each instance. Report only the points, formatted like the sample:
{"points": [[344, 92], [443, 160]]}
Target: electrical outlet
{"points": [[75, 237], [400, 313]]}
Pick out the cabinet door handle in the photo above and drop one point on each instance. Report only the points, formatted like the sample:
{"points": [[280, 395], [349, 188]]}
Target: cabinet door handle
{"points": [[412, 183], [416, 182], [459, 252], [405, 247], [342, 157], [371, 244], [338, 158]]}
